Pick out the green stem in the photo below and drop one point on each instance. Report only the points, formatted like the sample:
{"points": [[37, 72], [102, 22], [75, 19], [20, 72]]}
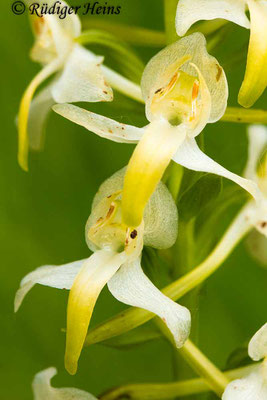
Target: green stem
{"points": [[133, 317], [130, 34], [214, 378], [245, 116], [170, 7], [157, 391], [140, 36]]}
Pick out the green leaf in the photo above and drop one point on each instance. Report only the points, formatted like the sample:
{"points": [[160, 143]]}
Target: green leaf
{"points": [[203, 192]]}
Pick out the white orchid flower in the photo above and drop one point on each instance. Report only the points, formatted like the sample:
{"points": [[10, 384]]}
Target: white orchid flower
{"points": [[184, 88], [116, 261], [255, 80], [253, 386], [80, 77], [42, 389], [256, 169]]}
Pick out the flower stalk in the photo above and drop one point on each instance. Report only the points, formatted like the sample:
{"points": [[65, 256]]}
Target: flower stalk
{"points": [[140, 36], [245, 116], [214, 378], [157, 391]]}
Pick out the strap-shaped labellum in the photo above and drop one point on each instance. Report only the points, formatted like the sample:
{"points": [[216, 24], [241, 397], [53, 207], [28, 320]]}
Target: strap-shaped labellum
{"points": [[255, 80], [24, 109], [146, 167], [89, 282]]}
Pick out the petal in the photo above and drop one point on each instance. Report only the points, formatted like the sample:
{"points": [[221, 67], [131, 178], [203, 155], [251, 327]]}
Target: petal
{"points": [[25, 108], [43, 390], [131, 286], [160, 215], [187, 51], [251, 387], [39, 110], [191, 11], [102, 126], [82, 79], [122, 84], [95, 273], [257, 348], [60, 277], [257, 141], [62, 32], [52, 39], [190, 156], [71, 25], [255, 80], [146, 167]]}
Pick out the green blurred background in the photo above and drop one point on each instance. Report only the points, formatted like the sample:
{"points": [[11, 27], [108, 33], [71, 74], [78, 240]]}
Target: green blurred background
{"points": [[43, 214]]}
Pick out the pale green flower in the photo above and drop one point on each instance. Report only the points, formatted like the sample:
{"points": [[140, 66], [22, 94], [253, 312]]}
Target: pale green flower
{"points": [[116, 261], [255, 80], [184, 88], [79, 77]]}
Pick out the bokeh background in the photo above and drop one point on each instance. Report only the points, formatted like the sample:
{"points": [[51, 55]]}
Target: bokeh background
{"points": [[43, 214]]}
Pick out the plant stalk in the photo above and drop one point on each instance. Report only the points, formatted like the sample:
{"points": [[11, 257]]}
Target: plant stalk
{"points": [[158, 391]]}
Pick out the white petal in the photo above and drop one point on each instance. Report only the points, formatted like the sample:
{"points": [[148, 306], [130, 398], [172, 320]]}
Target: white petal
{"points": [[63, 31], [82, 79], [122, 84], [60, 277], [190, 156], [131, 286], [71, 24], [54, 36], [251, 387], [257, 348], [39, 110], [43, 390], [191, 11], [257, 140], [102, 126]]}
